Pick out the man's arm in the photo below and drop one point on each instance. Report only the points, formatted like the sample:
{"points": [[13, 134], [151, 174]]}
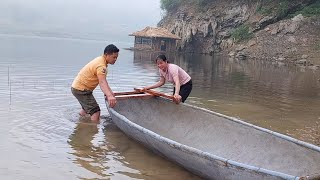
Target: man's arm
{"points": [[104, 86]]}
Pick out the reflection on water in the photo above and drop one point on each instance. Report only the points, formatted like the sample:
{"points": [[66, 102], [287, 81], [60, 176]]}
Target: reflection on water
{"points": [[87, 154], [40, 126], [108, 153]]}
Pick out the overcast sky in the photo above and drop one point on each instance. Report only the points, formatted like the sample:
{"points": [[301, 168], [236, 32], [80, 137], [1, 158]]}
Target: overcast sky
{"points": [[92, 17]]}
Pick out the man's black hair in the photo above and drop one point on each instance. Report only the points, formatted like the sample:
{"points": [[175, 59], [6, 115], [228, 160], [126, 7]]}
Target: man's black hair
{"points": [[111, 49]]}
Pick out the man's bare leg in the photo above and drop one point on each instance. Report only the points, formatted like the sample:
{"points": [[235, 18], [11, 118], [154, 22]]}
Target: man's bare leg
{"points": [[82, 112], [95, 117]]}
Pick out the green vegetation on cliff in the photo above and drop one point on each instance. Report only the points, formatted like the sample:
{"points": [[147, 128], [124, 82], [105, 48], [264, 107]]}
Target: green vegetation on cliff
{"points": [[282, 7], [170, 5], [317, 46], [279, 7], [242, 33], [311, 10]]}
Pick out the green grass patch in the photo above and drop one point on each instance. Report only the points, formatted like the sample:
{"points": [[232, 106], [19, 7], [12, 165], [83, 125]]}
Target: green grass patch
{"points": [[264, 11], [317, 46], [283, 8], [242, 33], [170, 5], [311, 10], [202, 3]]}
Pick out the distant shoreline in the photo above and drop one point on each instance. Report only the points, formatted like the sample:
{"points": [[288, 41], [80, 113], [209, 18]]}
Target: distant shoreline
{"points": [[59, 37]]}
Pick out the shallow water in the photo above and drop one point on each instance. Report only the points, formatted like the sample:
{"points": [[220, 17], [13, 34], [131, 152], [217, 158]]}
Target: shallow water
{"points": [[43, 136]]}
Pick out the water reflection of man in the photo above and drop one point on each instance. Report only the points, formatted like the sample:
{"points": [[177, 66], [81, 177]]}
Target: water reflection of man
{"points": [[87, 154]]}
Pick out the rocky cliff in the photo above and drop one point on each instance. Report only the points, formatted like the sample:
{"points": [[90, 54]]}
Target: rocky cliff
{"points": [[279, 30]]}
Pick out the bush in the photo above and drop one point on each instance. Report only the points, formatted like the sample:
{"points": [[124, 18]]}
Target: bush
{"points": [[311, 10], [241, 33], [264, 11], [283, 8], [317, 46], [169, 5], [202, 3]]}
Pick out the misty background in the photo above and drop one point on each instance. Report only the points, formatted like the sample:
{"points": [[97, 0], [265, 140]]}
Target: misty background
{"points": [[81, 19]]}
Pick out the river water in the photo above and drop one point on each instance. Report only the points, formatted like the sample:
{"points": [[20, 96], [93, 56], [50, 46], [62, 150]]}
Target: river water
{"points": [[43, 137]]}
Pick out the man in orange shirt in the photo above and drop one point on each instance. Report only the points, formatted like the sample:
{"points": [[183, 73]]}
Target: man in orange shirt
{"points": [[89, 77]]}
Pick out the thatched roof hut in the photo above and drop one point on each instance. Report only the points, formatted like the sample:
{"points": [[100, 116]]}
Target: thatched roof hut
{"points": [[155, 38], [155, 32]]}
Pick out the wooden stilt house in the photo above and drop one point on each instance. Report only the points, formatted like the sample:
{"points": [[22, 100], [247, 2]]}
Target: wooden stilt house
{"points": [[155, 39]]}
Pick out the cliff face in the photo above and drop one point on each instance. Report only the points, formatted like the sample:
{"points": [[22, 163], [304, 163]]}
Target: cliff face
{"points": [[208, 29]]}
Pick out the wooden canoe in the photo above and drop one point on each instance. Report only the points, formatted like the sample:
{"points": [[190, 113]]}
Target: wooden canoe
{"points": [[213, 145]]}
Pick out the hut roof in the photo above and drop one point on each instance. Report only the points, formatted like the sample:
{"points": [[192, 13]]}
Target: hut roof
{"points": [[155, 32]]}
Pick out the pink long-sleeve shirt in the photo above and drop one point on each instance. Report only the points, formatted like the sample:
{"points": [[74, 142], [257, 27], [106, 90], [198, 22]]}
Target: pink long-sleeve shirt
{"points": [[173, 71]]}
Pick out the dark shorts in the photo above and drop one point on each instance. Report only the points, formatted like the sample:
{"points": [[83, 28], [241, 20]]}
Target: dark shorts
{"points": [[86, 100], [185, 90]]}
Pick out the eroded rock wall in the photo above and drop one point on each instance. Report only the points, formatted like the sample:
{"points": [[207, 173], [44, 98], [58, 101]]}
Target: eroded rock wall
{"points": [[208, 29]]}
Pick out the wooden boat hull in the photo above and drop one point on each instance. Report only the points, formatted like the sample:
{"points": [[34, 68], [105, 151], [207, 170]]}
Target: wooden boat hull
{"points": [[212, 145]]}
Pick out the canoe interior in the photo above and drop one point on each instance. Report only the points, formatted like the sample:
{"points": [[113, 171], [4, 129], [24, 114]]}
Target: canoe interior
{"points": [[220, 136]]}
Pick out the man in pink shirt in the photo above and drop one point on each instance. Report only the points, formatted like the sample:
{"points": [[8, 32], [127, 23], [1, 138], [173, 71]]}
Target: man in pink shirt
{"points": [[174, 74]]}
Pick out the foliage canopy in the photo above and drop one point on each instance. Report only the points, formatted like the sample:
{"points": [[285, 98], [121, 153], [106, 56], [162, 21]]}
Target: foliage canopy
{"points": [[170, 5]]}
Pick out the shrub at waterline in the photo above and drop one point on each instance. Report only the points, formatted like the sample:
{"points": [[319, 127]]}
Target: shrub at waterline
{"points": [[242, 33]]}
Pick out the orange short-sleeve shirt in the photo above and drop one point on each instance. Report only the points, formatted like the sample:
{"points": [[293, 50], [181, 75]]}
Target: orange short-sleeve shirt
{"points": [[87, 78]]}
